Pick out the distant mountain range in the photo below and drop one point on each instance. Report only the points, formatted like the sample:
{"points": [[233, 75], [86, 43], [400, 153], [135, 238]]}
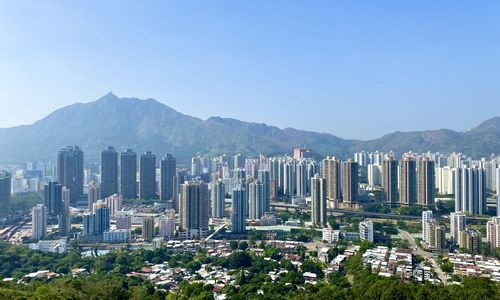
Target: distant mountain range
{"points": [[150, 125]]}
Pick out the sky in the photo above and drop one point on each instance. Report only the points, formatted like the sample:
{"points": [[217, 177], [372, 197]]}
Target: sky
{"points": [[356, 69]]}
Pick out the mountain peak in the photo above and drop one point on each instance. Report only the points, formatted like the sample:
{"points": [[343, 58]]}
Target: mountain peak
{"points": [[108, 97]]}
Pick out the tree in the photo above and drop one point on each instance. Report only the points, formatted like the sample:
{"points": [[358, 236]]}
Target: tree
{"points": [[233, 245], [243, 245], [311, 266]]}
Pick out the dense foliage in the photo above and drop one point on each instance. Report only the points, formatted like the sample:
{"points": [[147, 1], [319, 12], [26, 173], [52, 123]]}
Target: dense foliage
{"points": [[107, 280]]}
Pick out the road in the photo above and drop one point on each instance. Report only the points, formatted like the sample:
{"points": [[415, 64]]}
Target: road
{"points": [[349, 212], [365, 213], [427, 255], [216, 230]]}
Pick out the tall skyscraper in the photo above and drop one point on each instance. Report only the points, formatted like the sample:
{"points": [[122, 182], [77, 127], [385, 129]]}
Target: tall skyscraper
{"points": [[275, 171], [301, 176], [5, 193], [217, 198], [470, 191], [289, 179], [193, 208], [318, 201], [180, 177], [239, 161], [147, 181], [330, 168], [390, 180], [109, 172], [148, 228], [407, 181], [238, 215], [312, 169], [458, 223], [53, 198], [264, 177], [70, 170], [38, 222], [167, 174], [196, 166], [255, 200], [426, 182], [375, 174], [350, 182], [63, 217], [94, 194], [128, 174]]}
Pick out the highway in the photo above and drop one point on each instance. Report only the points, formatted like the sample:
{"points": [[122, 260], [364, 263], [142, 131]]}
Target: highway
{"points": [[349, 212], [362, 213]]}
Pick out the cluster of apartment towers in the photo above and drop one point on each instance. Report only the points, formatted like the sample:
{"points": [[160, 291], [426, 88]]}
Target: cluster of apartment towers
{"points": [[251, 183]]}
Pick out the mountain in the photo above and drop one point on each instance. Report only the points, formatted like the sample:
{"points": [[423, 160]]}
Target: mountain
{"points": [[150, 125]]}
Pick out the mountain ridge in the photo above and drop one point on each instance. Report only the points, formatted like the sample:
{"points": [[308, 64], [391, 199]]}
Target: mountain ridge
{"points": [[147, 124]]}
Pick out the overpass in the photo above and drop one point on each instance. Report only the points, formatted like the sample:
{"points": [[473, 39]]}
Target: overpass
{"points": [[362, 213]]}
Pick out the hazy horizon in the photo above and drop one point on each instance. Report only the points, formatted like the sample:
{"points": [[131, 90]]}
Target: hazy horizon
{"points": [[363, 69]]}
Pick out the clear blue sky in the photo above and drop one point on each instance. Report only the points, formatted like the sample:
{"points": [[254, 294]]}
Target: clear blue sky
{"points": [[357, 69]]}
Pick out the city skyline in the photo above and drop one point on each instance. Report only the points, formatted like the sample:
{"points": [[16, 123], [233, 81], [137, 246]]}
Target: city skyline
{"points": [[337, 57]]}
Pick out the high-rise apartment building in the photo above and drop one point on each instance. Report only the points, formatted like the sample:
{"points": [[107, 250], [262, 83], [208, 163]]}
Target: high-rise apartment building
{"points": [[301, 179], [63, 217], [374, 172], [115, 204], [38, 222], [407, 181], [239, 210], [167, 224], [94, 194], [426, 217], [493, 232], [147, 181], [319, 201], [148, 228], [350, 178], [123, 221], [426, 182], [264, 177], [193, 208], [53, 198], [5, 193], [458, 223], [109, 172], [167, 174], [390, 180], [330, 169], [217, 198], [366, 232], [239, 161], [70, 170], [255, 200], [470, 190], [128, 174]]}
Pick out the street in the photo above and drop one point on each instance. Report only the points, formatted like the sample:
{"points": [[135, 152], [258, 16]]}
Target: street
{"points": [[426, 255]]}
